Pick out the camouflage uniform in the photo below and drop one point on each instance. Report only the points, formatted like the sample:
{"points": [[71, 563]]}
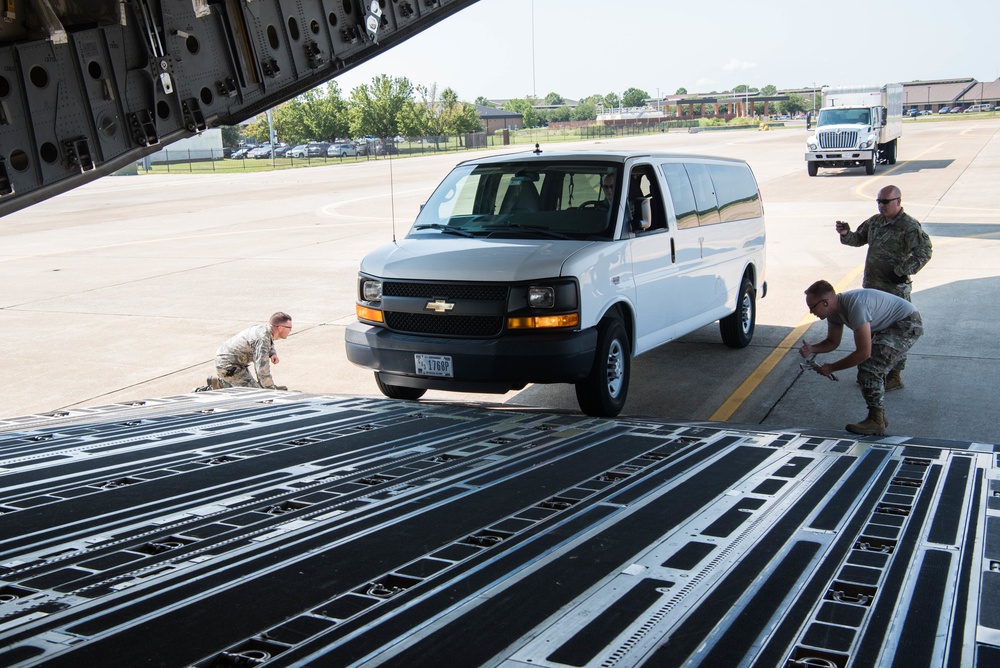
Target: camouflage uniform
{"points": [[254, 345], [890, 342], [897, 249]]}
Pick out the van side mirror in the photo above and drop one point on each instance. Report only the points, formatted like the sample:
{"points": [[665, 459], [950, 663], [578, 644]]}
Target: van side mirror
{"points": [[642, 213], [882, 116]]}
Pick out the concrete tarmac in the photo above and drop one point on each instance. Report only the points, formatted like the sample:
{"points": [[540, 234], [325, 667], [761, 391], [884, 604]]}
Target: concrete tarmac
{"points": [[122, 290]]}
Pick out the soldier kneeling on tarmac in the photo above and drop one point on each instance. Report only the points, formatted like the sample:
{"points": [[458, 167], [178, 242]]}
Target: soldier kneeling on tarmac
{"points": [[885, 328], [253, 346]]}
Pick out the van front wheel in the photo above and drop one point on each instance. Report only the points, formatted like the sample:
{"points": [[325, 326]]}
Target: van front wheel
{"points": [[737, 329], [603, 392], [398, 391]]}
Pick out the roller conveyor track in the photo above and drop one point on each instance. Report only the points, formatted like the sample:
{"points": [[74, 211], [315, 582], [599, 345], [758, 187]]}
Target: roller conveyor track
{"points": [[246, 528]]}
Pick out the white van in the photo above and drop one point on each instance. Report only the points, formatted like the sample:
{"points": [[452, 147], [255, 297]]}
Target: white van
{"points": [[980, 107], [558, 268]]}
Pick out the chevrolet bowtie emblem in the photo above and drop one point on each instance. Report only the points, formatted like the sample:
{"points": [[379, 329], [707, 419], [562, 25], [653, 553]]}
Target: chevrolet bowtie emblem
{"points": [[439, 305]]}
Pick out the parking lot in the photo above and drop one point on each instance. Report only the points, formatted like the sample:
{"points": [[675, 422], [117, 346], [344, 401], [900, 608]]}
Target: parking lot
{"points": [[122, 290]]}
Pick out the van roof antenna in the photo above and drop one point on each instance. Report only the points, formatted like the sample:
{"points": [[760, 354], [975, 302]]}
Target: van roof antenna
{"points": [[392, 191]]}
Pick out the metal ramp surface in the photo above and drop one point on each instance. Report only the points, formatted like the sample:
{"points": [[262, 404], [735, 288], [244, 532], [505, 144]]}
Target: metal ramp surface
{"points": [[253, 528]]}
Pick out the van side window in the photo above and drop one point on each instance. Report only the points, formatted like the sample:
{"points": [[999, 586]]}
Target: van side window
{"points": [[704, 194], [642, 183], [736, 192], [681, 194]]}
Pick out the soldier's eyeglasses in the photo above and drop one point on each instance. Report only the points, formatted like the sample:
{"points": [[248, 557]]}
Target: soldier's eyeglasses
{"points": [[886, 201], [812, 309]]}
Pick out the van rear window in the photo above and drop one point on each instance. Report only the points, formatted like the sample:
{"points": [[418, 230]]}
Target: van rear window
{"points": [[706, 194], [736, 191]]}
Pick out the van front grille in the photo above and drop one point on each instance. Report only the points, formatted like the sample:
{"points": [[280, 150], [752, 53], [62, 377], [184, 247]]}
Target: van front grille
{"points": [[486, 298], [445, 325]]}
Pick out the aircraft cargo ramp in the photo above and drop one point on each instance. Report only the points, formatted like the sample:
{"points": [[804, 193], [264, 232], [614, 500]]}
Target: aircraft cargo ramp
{"points": [[257, 528]]}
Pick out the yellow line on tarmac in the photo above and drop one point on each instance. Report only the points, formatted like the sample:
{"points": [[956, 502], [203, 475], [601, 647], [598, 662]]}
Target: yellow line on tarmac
{"points": [[753, 381]]}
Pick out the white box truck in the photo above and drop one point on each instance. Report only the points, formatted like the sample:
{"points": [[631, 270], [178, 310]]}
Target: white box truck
{"points": [[857, 127]]}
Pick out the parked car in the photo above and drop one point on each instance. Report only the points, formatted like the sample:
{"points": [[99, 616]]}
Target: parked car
{"points": [[957, 110], [980, 107], [913, 112], [241, 152], [316, 149], [925, 112], [944, 110], [342, 150], [259, 151], [300, 151], [281, 150]]}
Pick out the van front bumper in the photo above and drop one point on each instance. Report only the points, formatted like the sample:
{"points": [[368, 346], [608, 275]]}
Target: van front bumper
{"points": [[479, 365]]}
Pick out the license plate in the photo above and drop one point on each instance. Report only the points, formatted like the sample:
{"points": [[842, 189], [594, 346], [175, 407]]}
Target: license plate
{"points": [[433, 365]]}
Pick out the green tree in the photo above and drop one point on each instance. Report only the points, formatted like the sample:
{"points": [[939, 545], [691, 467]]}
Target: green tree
{"points": [[681, 91], [258, 130], [585, 111], [612, 100], [483, 102], [554, 99], [770, 90], [378, 108], [793, 105], [318, 114], [461, 118], [634, 97], [230, 135], [449, 98], [562, 113], [525, 108]]}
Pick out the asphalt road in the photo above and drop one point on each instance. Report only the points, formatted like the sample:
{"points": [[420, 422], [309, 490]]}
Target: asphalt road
{"points": [[122, 290]]}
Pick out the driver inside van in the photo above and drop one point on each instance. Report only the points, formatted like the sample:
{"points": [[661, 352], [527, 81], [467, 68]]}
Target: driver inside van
{"points": [[607, 190]]}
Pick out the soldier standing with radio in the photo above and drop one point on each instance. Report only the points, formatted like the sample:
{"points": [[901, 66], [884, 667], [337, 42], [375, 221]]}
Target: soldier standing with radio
{"points": [[898, 247]]}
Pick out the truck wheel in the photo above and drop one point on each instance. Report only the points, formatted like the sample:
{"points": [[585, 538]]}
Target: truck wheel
{"points": [[870, 166], [812, 168], [737, 328], [398, 391], [603, 392]]}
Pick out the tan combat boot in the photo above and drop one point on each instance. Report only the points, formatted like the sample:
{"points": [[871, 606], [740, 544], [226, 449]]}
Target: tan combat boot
{"points": [[873, 425], [893, 381]]}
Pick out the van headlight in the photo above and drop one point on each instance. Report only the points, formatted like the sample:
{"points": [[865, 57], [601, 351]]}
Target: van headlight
{"points": [[554, 305], [541, 297], [371, 290], [867, 143]]}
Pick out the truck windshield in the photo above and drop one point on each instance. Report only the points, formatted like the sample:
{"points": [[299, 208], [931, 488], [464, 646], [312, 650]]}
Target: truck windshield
{"points": [[846, 116], [532, 199]]}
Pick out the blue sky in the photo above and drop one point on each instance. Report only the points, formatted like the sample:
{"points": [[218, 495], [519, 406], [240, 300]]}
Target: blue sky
{"points": [[515, 48]]}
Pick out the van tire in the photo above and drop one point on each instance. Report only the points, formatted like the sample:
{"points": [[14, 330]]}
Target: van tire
{"points": [[812, 168], [603, 392], [870, 166], [398, 391], [737, 328]]}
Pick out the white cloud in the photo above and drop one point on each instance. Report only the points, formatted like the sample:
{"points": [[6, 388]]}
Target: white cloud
{"points": [[737, 64]]}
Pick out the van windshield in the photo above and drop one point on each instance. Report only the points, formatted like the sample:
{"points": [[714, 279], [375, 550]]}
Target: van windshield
{"points": [[535, 199]]}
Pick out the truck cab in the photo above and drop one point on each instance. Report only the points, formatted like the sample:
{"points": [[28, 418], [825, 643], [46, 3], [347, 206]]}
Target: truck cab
{"points": [[559, 268]]}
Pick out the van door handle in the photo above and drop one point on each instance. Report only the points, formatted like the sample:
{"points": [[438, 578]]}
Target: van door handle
{"points": [[673, 252], [701, 246]]}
